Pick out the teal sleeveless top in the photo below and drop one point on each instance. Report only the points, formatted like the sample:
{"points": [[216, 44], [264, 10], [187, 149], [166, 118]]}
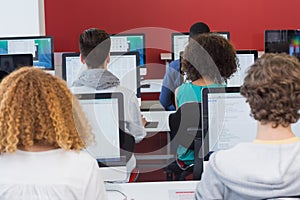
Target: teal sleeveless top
{"points": [[188, 92]]}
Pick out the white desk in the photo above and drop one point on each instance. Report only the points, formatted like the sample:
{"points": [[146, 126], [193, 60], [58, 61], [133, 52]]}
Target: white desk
{"points": [[162, 117], [149, 190], [155, 85]]}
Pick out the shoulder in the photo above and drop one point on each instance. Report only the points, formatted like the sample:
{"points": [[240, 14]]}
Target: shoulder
{"points": [[225, 161], [184, 86], [78, 155], [175, 65], [82, 90]]}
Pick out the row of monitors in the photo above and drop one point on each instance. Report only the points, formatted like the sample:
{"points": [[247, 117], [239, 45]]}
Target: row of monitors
{"points": [[124, 65], [42, 49], [225, 114]]}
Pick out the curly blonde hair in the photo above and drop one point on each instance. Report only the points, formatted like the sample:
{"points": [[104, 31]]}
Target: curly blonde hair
{"points": [[272, 89], [37, 108]]}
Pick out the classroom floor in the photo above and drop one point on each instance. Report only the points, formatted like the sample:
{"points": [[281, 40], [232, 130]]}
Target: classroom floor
{"points": [[153, 155]]}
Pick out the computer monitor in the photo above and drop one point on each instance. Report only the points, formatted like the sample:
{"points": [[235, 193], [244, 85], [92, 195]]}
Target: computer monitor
{"points": [[225, 34], [71, 67], [245, 59], [11, 62], [180, 40], [41, 48], [129, 42], [105, 113], [226, 119], [287, 41], [124, 65]]}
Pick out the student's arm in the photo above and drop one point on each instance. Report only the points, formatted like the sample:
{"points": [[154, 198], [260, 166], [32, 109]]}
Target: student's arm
{"points": [[210, 187], [133, 120]]}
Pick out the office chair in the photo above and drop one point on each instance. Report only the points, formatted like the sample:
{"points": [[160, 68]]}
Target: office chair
{"points": [[127, 149], [127, 142], [186, 124]]}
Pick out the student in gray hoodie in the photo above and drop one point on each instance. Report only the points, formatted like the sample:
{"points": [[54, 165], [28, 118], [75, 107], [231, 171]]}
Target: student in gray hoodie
{"points": [[268, 167], [94, 45]]}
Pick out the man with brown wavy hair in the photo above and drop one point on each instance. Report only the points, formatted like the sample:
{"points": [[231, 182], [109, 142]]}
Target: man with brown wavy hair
{"points": [[42, 132], [268, 167]]}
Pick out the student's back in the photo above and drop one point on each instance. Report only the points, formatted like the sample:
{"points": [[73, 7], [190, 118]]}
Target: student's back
{"points": [[43, 131], [269, 166]]}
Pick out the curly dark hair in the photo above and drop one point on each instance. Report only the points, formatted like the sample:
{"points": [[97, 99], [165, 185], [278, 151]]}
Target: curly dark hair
{"points": [[94, 46], [210, 56], [272, 89]]}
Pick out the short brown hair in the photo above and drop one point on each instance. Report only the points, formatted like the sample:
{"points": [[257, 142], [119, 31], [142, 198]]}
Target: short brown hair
{"points": [[209, 55], [272, 89], [37, 108], [94, 45]]}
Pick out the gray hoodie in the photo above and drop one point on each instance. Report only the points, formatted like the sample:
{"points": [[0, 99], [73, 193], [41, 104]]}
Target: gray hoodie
{"points": [[97, 78], [252, 171]]}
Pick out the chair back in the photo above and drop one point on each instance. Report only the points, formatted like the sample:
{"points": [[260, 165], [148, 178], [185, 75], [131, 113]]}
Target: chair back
{"points": [[127, 144], [186, 124]]}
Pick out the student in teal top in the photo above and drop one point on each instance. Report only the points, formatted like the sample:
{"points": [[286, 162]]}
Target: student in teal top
{"points": [[208, 61]]}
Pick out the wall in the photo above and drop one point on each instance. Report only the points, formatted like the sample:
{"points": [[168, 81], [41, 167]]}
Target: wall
{"points": [[22, 18], [245, 20]]}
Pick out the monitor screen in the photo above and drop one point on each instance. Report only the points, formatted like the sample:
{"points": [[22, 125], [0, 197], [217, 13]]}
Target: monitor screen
{"points": [[225, 34], [226, 119], [130, 42], [287, 41], [245, 59], [71, 67], [11, 62], [104, 112], [41, 48], [180, 40], [125, 67]]}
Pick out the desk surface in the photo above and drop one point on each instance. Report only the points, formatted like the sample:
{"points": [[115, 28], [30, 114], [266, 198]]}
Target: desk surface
{"points": [[162, 117], [150, 190], [155, 85]]}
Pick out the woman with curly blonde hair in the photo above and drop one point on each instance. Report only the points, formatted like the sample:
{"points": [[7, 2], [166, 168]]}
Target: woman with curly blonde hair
{"points": [[42, 130], [268, 167]]}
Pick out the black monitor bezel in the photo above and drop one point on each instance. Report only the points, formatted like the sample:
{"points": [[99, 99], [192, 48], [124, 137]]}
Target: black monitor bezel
{"points": [[248, 51], [36, 37]]}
